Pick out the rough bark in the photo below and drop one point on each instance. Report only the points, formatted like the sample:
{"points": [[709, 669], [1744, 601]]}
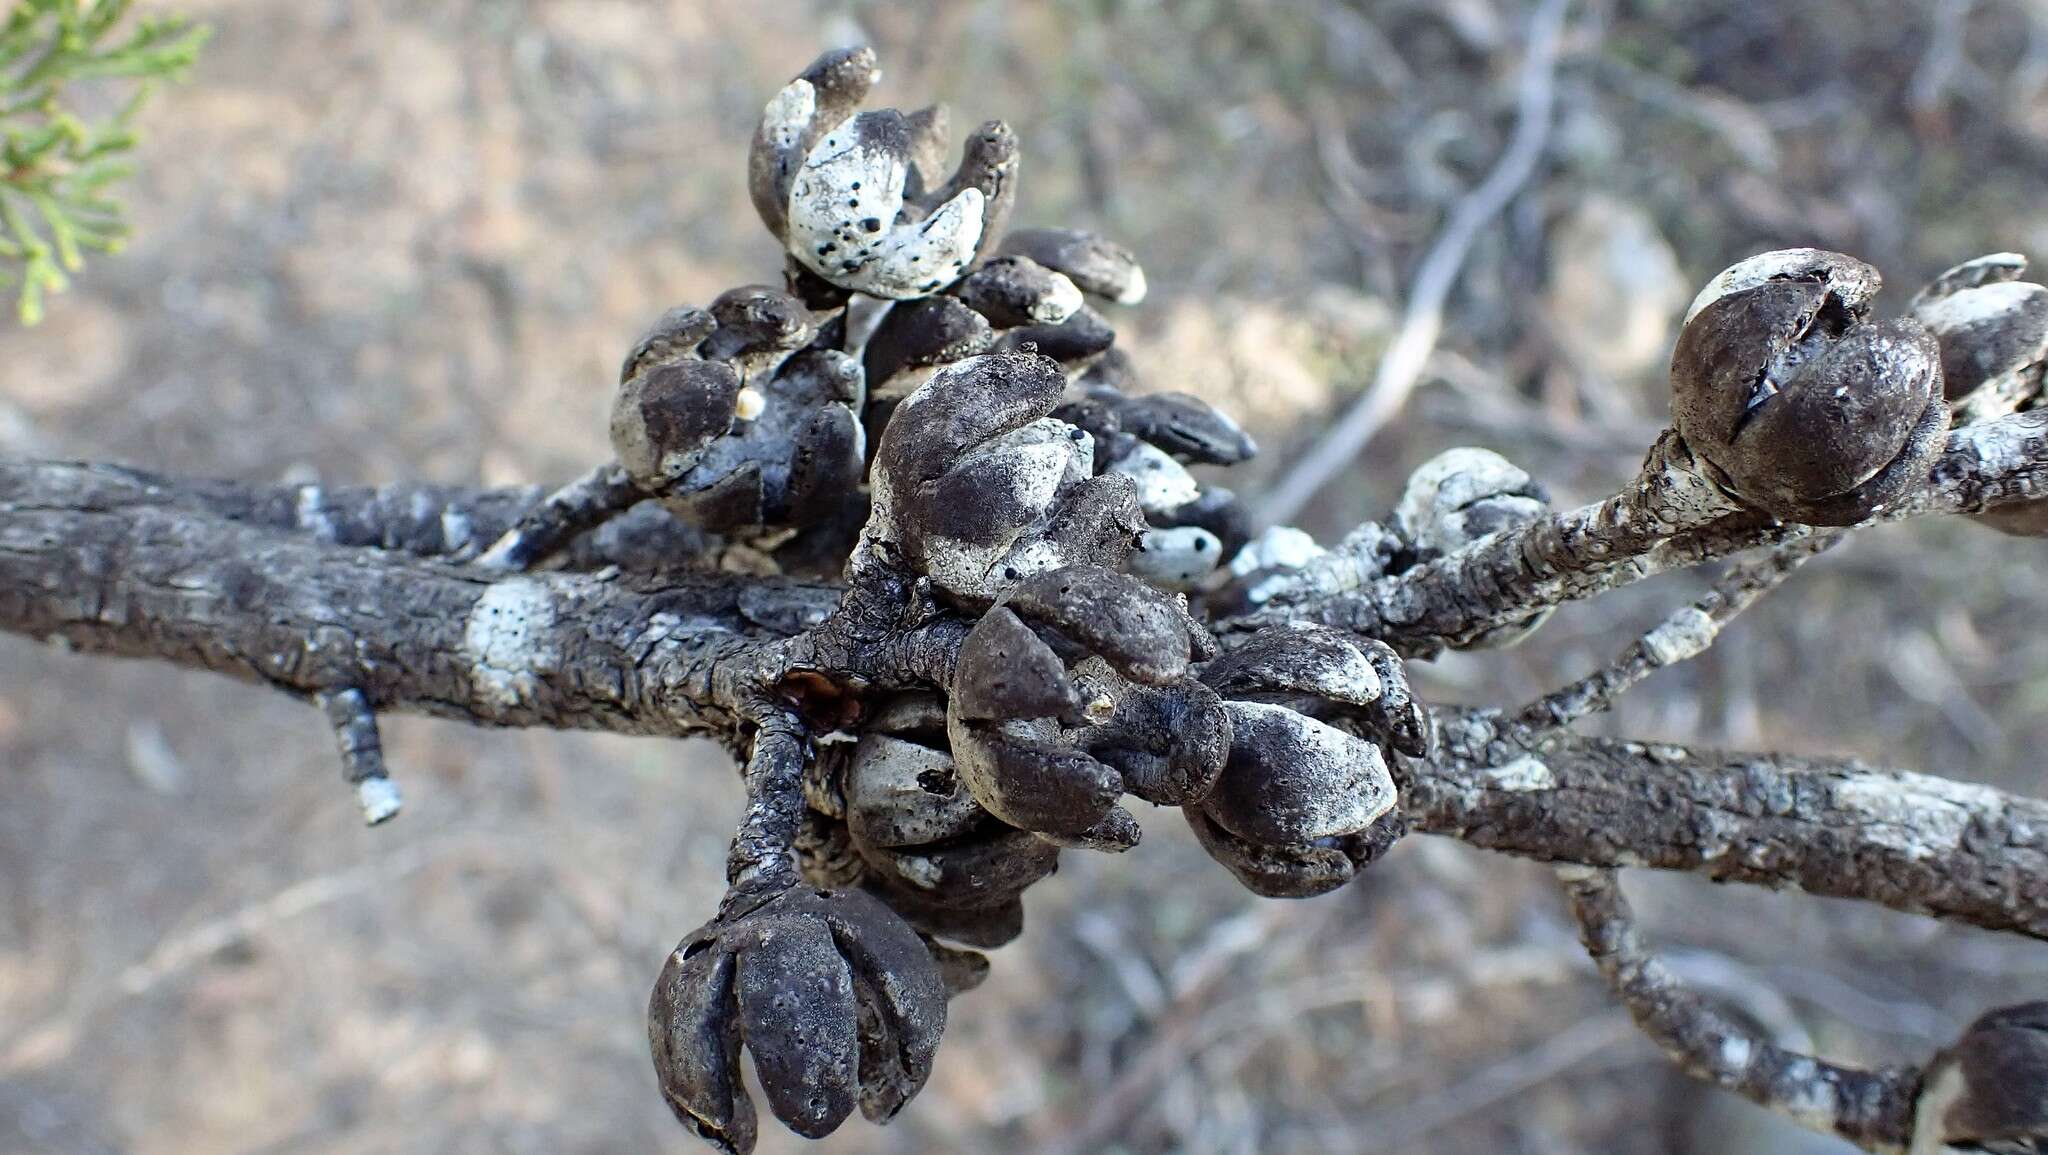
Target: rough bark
{"points": [[1658, 523], [115, 562], [1834, 827], [452, 521], [1873, 1109], [106, 561]]}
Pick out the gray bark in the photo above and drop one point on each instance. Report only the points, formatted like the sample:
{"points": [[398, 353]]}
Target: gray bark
{"points": [[109, 561], [1833, 827], [1660, 522], [200, 575]]}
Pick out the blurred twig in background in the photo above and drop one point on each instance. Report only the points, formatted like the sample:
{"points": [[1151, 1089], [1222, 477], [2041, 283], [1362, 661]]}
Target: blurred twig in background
{"points": [[1423, 320]]}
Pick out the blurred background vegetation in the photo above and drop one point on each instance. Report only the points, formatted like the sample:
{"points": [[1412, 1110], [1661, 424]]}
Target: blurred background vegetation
{"points": [[375, 239], [58, 161]]}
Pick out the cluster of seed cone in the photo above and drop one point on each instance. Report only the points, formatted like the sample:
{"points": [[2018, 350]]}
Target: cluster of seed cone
{"points": [[941, 401]]}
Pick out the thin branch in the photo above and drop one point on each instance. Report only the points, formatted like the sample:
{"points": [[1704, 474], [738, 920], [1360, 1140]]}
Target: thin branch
{"points": [[763, 848], [583, 504], [451, 521], [109, 568], [362, 752], [1505, 578], [1685, 634], [1422, 322], [414, 517], [1872, 1109], [1827, 826], [97, 563]]}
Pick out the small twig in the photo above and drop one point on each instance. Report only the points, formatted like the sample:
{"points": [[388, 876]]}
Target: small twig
{"points": [[34, 1044], [208, 938], [583, 504], [1422, 321], [763, 853], [1523, 570], [1668, 518], [1684, 635], [362, 754], [1872, 1109]]}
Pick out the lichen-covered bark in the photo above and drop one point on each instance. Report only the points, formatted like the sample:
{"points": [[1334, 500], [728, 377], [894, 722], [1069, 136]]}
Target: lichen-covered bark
{"points": [[113, 562], [1652, 527], [1872, 1109], [106, 561], [1685, 633], [453, 521], [1834, 827]]}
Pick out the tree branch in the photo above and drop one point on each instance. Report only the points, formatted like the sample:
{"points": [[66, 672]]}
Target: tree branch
{"points": [[1872, 1109], [107, 561], [362, 752], [1828, 826], [98, 560], [1686, 633], [1507, 577], [585, 503], [445, 521]]}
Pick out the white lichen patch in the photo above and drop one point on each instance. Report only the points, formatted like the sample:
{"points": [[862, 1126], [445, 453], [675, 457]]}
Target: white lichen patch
{"points": [[1998, 446], [1916, 815], [1685, 634], [509, 639], [1811, 1101], [1736, 1053], [1523, 775]]}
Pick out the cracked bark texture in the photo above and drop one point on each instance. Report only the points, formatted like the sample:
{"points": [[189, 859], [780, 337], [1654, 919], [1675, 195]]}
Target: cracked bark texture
{"points": [[116, 562], [1657, 524], [1872, 1109], [105, 561], [1831, 827]]}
